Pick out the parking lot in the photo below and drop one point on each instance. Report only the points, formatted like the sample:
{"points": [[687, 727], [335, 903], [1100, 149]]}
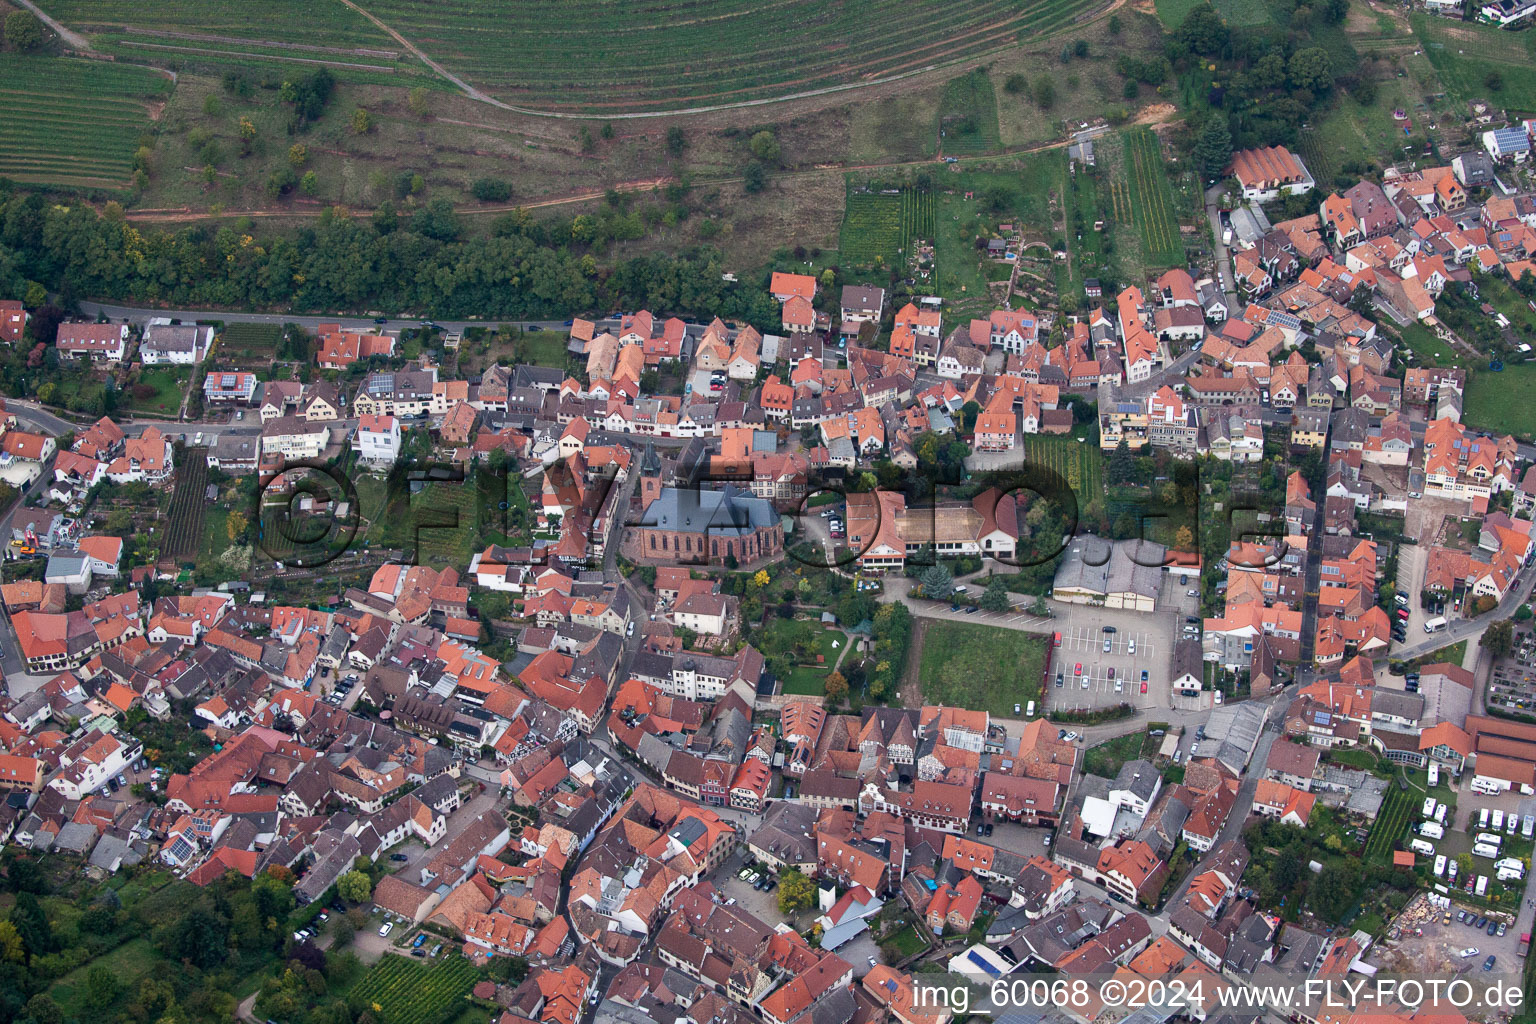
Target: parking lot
{"points": [[1140, 642]]}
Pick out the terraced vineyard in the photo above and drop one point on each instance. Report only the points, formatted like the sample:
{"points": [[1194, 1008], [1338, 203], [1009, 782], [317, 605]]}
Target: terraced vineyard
{"points": [[73, 122], [1152, 200], [878, 226], [595, 56], [179, 33]]}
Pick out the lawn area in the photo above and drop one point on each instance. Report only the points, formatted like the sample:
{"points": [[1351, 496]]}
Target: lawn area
{"points": [[908, 941], [411, 991], [1430, 350], [1173, 12], [542, 348], [1501, 402], [129, 963], [1466, 54], [1105, 759], [159, 390], [980, 667], [807, 680], [74, 123], [1354, 758], [1397, 809], [968, 115]]}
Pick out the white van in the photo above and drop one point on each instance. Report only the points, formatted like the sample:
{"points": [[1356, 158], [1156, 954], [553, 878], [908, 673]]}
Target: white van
{"points": [[1482, 850], [1029, 712], [1498, 821], [1420, 846], [1488, 838], [1429, 807], [1439, 865], [1482, 818], [1482, 885], [1440, 813], [1430, 830], [1528, 826], [1510, 874], [1434, 774], [1450, 871], [1512, 824]]}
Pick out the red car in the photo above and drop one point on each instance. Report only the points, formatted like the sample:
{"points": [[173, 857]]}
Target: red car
{"points": [[1143, 687], [1079, 670]]}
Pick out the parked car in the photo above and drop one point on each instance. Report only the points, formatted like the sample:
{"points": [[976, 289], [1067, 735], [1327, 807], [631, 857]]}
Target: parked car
{"points": [[1488, 964], [385, 929], [398, 857]]}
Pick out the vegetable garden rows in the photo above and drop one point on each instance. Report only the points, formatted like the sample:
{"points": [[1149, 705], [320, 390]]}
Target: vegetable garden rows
{"points": [[1079, 464], [881, 225], [1152, 199], [73, 122], [184, 521], [406, 991]]}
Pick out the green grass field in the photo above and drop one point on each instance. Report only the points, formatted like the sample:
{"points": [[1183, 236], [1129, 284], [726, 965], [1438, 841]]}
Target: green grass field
{"points": [[73, 123], [980, 667], [1151, 197], [159, 389], [1466, 55], [1105, 759], [968, 115], [408, 991], [129, 963], [542, 348], [1430, 350], [596, 55], [1501, 402], [1173, 12]]}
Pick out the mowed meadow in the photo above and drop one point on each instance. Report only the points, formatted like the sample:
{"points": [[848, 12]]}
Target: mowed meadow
{"points": [[593, 56], [74, 122]]}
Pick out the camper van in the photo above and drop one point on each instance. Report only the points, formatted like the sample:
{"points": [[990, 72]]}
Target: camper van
{"points": [[1450, 871], [1482, 818], [1528, 826], [1482, 885], [1434, 774], [1439, 865], [1512, 824], [1510, 863], [1511, 874], [1420, 846], [1491, 838], [1429, 807], [1498, 821], [1479, 849], [1430, 830], [1440, 813]]}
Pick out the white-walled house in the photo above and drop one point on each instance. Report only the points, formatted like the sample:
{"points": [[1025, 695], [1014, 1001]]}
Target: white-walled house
{"points": [[378, 439], [174, 344]]}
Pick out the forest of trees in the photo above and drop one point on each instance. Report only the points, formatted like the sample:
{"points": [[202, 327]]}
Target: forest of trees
{"points": [[421, 264]]}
